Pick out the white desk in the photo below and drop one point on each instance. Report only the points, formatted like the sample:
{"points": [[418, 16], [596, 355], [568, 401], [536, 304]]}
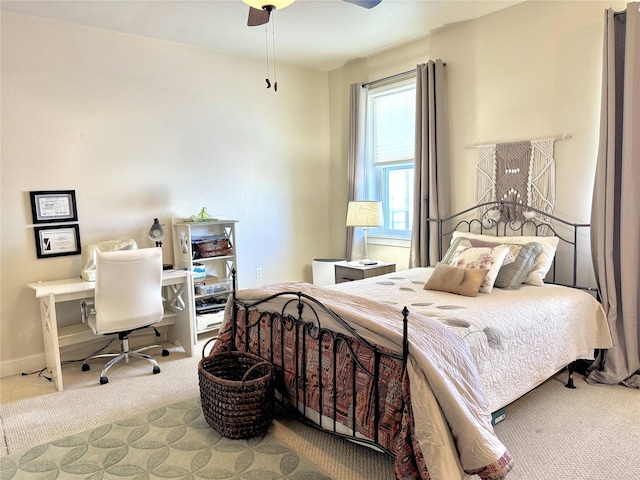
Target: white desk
{"points": [[179, 315]]}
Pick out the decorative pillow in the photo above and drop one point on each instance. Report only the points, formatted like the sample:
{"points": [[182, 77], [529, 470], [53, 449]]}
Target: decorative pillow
{"points": [[461, 281], [455, 243], [517, 264], [543, 261], [514, 273], [490, 258]]}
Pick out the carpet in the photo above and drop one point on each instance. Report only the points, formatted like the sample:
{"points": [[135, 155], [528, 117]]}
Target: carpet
{"points": [[590, 433], [168, 442], [33, 412]]}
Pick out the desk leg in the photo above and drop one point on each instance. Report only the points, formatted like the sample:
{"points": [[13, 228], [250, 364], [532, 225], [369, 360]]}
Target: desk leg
{"points": [[179, 299], [50, 336]]}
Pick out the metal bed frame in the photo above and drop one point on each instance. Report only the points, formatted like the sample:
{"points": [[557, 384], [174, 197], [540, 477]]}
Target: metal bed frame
{"points": [[488, 220], [300, 314]]}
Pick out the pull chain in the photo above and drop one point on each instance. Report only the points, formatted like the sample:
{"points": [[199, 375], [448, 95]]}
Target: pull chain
{"points": [[273, 48], [266, 44]]}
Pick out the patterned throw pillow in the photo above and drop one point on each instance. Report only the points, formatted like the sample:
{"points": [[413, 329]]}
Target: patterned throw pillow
{"points": [[489, 258], [517, 264], [453, 248], [513, 274], [543, 261], [461, 281]]}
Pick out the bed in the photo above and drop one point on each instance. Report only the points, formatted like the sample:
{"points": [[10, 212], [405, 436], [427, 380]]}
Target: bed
{"points": [[417, 372]]}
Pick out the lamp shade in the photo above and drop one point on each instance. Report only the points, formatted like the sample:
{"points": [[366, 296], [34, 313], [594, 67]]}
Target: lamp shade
{"points": [[275, 4], [156, 232], [364, 214]]}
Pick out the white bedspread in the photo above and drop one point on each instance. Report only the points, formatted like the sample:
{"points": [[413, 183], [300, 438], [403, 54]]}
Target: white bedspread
{"points": [[518, 338]]}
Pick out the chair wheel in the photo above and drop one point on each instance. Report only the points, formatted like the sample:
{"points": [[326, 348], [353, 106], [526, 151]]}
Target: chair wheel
{"points": [[165, 352], [156, 369], [103, 380], [86, 367]]}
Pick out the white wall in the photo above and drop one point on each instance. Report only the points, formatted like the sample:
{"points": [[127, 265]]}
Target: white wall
{"points": [[526, 72], [142, 128]]}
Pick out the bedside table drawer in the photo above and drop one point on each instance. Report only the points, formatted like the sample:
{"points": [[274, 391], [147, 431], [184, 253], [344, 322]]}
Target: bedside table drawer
{"points": [[349, 273]]}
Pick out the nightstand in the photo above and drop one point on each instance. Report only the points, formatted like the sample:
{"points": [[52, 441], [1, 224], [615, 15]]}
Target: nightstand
{"points": [[350, 272]]}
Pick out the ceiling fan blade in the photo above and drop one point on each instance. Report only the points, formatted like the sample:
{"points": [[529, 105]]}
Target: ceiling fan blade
{"points": [[364, 3], [258, 17]]}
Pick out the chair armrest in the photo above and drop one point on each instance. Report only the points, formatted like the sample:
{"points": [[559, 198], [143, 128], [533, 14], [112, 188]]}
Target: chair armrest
{"points": [[87, 309]]}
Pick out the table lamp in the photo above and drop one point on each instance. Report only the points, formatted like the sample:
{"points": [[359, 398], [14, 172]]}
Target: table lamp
{"points": [[365, 214], [156, 233]]}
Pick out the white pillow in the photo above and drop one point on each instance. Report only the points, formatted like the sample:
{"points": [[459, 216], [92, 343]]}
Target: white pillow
{"points": [[481, 258], [543, 260]]}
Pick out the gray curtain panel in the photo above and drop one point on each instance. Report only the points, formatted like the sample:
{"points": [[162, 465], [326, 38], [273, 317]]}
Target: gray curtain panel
{"points": [[615, 222], [356, 163], [431, 189]]}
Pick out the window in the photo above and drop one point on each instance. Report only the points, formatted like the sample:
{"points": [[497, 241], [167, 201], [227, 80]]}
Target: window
{"points": [[390, 146]]}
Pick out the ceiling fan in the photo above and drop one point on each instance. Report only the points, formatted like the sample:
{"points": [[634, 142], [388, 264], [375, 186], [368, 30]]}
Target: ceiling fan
{"points": [[260, 10]]}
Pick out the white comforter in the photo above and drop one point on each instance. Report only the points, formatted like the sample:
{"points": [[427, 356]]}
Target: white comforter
{"points": [[518, 338]]}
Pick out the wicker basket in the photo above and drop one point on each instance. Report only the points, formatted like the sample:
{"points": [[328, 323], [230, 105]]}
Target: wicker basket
{"points": [[237, 393]]}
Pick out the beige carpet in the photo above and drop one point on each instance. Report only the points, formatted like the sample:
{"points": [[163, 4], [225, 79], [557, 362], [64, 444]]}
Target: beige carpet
{"points": [[591, 433], [553, 432]]}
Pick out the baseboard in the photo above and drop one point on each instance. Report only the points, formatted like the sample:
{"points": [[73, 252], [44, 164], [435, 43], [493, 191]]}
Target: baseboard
{"points": [[30, 363], [16, 366]]}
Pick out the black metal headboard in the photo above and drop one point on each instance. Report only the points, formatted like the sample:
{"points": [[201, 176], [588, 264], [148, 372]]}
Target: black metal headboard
{"points": [[504, 218]]}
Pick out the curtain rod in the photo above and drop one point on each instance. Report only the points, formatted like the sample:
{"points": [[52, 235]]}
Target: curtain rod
{"points": [[386, 79], [476, 145], [391, 77]]}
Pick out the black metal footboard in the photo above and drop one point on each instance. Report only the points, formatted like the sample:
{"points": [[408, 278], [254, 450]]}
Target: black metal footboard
{"points": [[334, 381]]}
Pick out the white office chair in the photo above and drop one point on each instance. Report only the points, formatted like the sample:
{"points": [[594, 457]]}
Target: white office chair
{"points": [[128, 297]]}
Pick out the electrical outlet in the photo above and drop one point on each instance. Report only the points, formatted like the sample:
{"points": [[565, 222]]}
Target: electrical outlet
{"points": [[259, 272]]}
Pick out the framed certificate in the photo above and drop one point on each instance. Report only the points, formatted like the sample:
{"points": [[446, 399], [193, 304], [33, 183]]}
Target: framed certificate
{"points": [[54, 206], [56, 241]]}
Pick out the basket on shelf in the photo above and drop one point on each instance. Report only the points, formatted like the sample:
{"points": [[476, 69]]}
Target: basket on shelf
{"points": [[211, 246], [237, 393]]}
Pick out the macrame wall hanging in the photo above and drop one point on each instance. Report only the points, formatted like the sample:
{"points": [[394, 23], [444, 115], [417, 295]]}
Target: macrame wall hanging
{"points": [[521, 172]]}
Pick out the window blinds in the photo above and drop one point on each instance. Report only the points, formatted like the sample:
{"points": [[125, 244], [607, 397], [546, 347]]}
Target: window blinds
{"points": [[393, 123]]}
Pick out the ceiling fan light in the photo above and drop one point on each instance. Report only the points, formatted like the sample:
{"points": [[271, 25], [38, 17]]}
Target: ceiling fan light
{"points": [[276, 4]]}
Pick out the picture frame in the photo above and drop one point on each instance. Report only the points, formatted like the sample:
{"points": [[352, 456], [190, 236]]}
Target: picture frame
{"points": [[53, 206], [57, 240]]}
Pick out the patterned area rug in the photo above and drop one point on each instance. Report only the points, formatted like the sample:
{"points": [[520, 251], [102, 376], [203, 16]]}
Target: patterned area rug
{"points": [[169, 442]]}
